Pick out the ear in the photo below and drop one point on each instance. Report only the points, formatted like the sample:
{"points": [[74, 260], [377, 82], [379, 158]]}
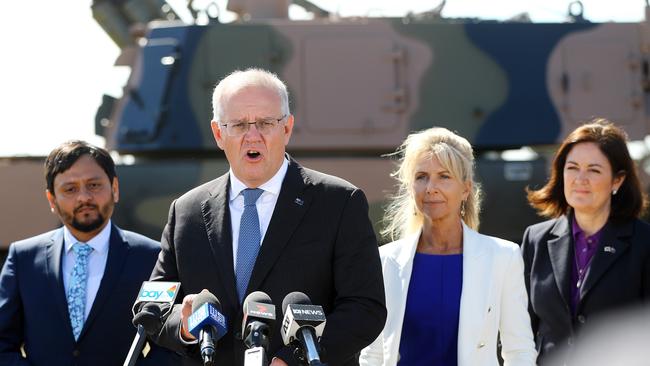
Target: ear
{"points": [[51, 199], [468, 189], [216, 132], [288, 129], [618, 180], [115, 187]]}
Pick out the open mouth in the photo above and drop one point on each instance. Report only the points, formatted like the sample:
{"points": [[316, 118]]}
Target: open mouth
{"points": [[253, 154]]}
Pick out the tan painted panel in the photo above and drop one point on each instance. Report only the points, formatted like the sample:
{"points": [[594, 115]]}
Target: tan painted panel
{"points": [[597, 73], [367, 88], [344, 91], [25, 211]]}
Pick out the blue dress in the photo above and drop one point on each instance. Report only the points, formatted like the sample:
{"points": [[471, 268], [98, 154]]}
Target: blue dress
{"points": [[430, 330]]}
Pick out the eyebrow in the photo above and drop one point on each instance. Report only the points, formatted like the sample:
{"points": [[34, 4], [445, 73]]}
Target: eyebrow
{"points": [[589, 165], [91, 179], [247, 120]]}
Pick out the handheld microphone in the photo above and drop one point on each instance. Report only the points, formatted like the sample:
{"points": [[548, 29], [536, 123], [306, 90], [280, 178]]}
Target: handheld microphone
{"points": [[151, 308], [207, 323], [303, 323], [259, 316]]}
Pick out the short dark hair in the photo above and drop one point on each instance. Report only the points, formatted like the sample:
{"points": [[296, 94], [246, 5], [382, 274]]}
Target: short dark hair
{"points": [[629, 202], [66, 154]]}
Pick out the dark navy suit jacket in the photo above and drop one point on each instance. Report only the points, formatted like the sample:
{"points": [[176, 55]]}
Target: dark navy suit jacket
{"points": [[618, 277], [34, 311]]}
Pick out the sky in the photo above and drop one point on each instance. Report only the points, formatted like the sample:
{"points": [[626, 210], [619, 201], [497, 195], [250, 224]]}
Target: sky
{"points": [[57, 62]]}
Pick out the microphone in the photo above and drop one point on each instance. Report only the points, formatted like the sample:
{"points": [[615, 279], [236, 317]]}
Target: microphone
{"points": [[207, 324], [151, 308], [259, 316], [153, 304], [303, 323]]}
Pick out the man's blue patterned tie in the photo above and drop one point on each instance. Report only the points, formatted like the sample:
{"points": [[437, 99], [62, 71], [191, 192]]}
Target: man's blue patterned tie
{"points": [[249, 240], [77, 287]]}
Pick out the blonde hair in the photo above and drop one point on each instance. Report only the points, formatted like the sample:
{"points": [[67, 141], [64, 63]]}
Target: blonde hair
{"points": [[238, 80], [455, 154]]}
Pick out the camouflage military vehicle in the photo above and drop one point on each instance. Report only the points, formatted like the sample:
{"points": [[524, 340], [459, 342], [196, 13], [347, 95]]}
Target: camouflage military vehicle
{"points": [[358, 86]]}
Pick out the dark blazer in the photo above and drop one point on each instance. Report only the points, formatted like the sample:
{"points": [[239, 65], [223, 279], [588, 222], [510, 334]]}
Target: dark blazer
{"points": [[619, 276], [319, 241], [34, 311]]}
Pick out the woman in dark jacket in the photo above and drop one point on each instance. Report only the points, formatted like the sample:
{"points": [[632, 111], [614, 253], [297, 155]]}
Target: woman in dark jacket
{"points": [[593, 256]]}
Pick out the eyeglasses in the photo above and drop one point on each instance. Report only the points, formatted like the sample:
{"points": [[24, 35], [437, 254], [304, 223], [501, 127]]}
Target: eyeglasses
{"points": [[263, 126]]}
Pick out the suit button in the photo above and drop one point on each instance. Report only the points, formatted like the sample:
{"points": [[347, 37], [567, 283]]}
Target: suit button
{"points": [[581, 319], [569, 341], [76, 353], [480, 345], [238, 335]]}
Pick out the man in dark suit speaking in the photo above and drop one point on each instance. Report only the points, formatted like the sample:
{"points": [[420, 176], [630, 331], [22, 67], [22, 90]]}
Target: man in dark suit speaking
{"points": [[66, 295], [271, 225]]}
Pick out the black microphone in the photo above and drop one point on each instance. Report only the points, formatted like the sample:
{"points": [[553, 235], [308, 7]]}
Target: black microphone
{"points": [[150, 311], [259, 316], [207, 324], [303, 323], [151, 316]]}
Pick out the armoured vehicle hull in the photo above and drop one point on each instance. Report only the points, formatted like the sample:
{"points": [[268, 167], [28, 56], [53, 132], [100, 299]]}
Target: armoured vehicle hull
{"points": [[358, 86]]}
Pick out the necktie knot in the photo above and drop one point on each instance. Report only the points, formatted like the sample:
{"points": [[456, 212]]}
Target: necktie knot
{"points": [[251, 195], [81, 249]]}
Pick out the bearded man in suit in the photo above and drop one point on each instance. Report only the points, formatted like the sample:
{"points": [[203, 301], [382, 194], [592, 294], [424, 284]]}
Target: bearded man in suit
{"points": [[66, 295], [271, 225]]}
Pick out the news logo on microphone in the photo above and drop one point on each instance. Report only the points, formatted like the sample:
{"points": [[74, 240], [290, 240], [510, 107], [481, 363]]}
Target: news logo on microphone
{"points": [[207, 314], [158, 291], [302, 315]]}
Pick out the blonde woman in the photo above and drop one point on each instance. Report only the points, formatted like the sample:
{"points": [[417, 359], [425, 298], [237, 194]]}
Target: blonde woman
{"points": [[449, 289]]}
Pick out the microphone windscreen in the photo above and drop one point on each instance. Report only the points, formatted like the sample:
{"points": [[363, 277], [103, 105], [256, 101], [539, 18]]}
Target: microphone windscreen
{"points": [[204, 297], [150, 316], [257, 296], [295, 297]]}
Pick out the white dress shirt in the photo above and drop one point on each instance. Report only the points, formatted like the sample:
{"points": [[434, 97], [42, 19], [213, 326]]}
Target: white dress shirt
{"points": [[265, 204], [96, 262]]}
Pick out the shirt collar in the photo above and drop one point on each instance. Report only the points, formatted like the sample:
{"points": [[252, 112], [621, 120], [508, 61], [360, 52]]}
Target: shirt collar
{"points": [[99, 242], [579, 233], [273, 185]]}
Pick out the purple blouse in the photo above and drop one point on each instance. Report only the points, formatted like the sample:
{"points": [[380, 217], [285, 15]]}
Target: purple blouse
{"points": [[585, 247]]}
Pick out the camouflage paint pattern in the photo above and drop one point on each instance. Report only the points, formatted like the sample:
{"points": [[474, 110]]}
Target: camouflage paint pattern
{"points": [[358, 86]]}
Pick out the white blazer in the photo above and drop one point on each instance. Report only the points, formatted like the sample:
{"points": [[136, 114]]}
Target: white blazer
{"points": [[493, 299]]}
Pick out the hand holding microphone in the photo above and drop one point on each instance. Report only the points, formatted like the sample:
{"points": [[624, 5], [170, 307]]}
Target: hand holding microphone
{"points": [[206, 323]]}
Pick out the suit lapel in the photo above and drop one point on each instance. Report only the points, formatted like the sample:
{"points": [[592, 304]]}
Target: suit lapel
{"points": [[216, 216], [609, 250], [293, 202], [118, 250], [54, 251], [561, 256]]}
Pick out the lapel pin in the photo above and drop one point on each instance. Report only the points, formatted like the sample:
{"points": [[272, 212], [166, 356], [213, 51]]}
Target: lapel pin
{"points": [[609, 249], [299, 201]]}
